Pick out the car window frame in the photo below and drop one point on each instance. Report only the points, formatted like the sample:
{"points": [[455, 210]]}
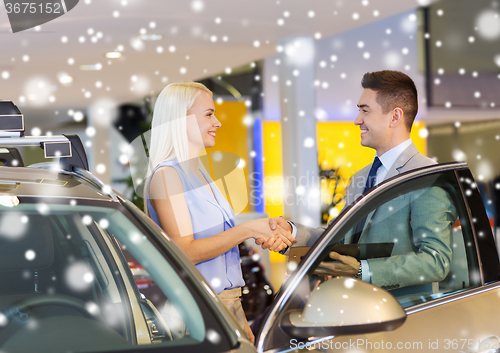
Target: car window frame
{"points": [[451, 186], [125, 285], [483, 236], [487, 254], [199, 287]]}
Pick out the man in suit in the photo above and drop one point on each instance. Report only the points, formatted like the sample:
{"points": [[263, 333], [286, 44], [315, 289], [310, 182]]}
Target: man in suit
{"points": [[419, 223]]}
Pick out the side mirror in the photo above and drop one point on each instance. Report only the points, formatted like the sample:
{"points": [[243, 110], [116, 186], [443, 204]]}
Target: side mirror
{"points": [[343, 306]]}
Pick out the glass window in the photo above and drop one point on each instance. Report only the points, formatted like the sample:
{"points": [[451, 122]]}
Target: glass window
{"points": [[415, 240], [63, 276]]}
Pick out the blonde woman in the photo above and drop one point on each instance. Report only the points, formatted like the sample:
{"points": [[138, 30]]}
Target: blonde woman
{"points": [[185, 202]]}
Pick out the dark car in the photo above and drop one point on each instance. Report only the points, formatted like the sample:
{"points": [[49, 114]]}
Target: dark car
{"points": [[65, 284]]}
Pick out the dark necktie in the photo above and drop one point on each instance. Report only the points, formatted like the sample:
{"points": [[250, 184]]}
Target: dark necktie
{"points": [[370, 182]]}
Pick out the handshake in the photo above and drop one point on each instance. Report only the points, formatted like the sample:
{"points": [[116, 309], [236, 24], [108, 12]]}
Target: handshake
{"points": [[274, 234]]}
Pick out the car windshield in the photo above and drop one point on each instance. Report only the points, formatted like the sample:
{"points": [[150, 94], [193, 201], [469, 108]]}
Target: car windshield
{"points": [[70, 276]]}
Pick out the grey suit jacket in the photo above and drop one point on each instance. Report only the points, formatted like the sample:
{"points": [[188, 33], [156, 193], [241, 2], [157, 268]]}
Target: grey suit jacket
{"points": [[419, 223]]}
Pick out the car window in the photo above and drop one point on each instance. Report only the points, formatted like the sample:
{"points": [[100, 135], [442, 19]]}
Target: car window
{"points": [[63, 274], [429, 245]]}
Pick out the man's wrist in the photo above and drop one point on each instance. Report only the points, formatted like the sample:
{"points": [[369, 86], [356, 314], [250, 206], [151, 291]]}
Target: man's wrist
{"points": [[293, 228], [359, 275], [294, 234], [366, 276]]}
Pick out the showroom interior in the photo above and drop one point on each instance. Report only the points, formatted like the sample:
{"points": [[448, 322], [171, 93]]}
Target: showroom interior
{"points": [[286, 80]]}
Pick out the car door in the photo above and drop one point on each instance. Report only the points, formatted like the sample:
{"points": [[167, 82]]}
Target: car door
{"points": [[442, 273], [461, 320]]}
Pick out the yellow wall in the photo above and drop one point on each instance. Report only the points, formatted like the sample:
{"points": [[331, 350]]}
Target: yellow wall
{"points": [[232, 140], [273, 168]]}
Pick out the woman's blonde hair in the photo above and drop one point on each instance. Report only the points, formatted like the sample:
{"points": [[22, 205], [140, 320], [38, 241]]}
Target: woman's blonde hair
{"points": [[168, 128]]}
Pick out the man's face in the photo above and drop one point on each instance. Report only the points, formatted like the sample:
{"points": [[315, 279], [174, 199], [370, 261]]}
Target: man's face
{"points": [[374, 124]]}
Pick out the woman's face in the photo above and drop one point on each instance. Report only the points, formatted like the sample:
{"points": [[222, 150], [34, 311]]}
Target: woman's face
{"points": [[202, 127]]}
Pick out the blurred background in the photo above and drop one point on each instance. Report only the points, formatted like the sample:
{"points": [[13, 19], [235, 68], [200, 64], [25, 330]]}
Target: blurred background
{"points": [[286, 80]]}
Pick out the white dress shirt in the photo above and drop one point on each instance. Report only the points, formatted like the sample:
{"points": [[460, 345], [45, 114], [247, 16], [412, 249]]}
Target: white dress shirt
{"points": [[387, 159]]}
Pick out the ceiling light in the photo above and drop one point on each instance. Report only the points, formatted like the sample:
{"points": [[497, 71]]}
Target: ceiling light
{"points": [[113, 55], [65, 79], [150, 37], [93, 67], [9, 201]]}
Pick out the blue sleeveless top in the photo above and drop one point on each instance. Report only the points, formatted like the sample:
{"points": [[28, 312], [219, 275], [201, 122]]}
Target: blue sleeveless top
{"points": [[209, 216]]}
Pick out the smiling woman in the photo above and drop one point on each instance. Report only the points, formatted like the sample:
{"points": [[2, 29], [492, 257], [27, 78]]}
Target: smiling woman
{"points": [[184, 200]]}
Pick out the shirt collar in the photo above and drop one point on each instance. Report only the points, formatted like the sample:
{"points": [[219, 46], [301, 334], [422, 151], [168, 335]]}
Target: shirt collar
{"points": [[389, 157]]}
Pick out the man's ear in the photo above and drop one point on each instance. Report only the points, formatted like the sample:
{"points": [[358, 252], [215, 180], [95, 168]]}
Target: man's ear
{"points": [[397, 117]]}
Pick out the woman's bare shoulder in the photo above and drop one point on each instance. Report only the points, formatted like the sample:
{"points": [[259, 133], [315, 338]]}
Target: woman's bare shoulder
{"points": [[166, 178]]}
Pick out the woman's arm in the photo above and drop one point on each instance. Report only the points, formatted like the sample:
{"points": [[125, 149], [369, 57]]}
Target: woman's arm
{"points": [[167, 197]]}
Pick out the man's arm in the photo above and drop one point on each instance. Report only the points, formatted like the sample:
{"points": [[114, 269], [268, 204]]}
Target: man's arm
{"points": [[432, 215]]}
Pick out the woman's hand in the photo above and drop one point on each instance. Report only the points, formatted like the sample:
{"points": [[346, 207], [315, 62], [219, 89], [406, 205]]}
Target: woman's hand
{"points": [[272, 244]]}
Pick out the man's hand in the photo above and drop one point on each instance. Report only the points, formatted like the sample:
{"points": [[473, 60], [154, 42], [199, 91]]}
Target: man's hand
{"points": [[276, 244], [342, 266], [281, 222]]}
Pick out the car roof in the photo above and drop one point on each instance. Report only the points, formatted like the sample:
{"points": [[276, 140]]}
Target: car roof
{"points": [[35, 182]]}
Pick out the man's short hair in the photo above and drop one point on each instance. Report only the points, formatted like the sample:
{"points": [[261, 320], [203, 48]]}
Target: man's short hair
{"points": [[394, 90]]}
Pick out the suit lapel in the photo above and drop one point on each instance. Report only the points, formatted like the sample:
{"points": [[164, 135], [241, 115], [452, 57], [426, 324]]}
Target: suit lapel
{"points": [[403, 158], [358, 184]]}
